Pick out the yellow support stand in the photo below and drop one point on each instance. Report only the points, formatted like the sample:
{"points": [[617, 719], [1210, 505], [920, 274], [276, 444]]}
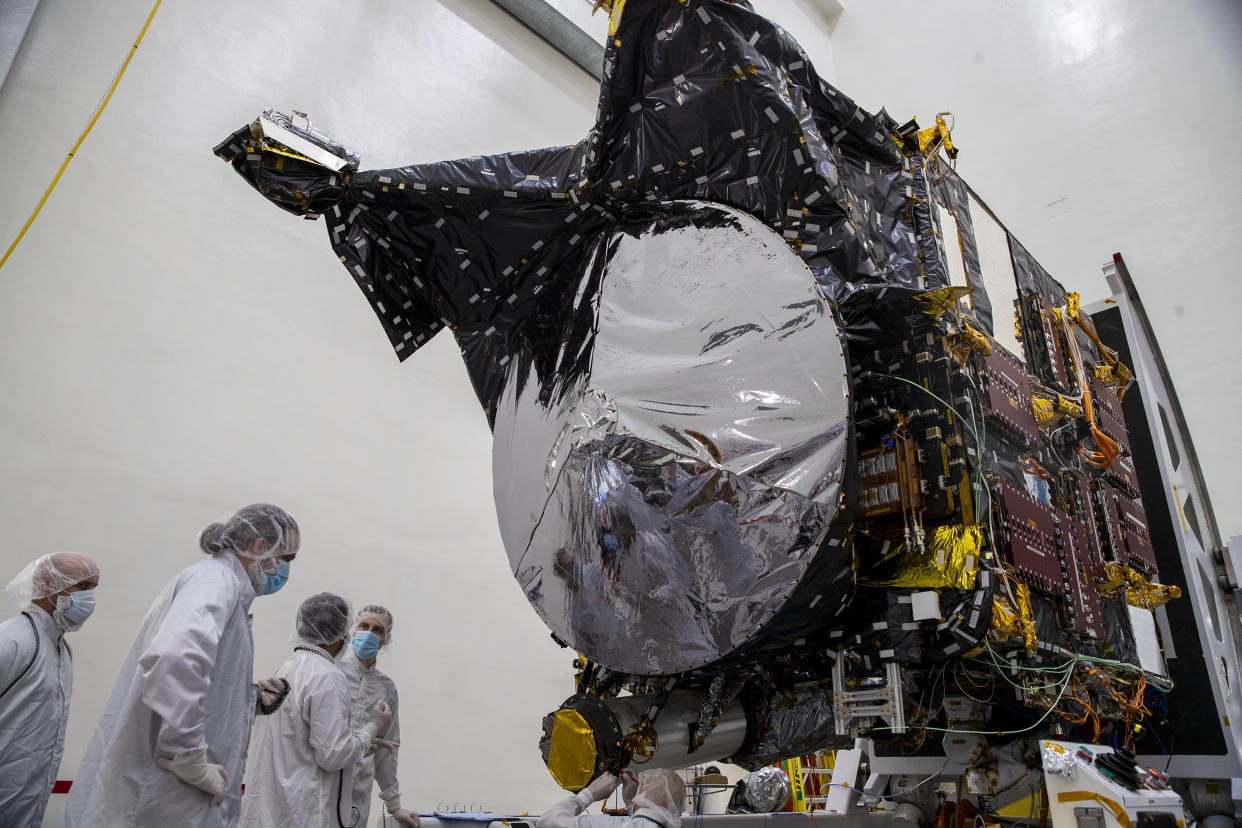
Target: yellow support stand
{"points": [[793, 769]]}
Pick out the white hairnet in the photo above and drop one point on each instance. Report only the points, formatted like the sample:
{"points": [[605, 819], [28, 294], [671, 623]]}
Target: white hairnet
{"points": [[49, 575], [380, 613], [323, 619], [662, 794], [238, 532]]}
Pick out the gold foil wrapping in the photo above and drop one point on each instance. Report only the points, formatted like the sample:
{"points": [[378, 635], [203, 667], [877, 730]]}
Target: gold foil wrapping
{"points": [[1043, 409], [571, 751], [1029, 639], [641, 739], [1140, 592], [1071, 306], [614, 7], [935, 303], [1068, 406], [1005, 618], [933, 138], [1019, 621], [950, 558]]}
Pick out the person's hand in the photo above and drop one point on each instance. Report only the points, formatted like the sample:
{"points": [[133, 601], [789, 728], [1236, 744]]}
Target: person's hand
{"points": [[380, 714], [376, 744], [603, 786], [629, 785], [272, 692], [193, 769], [405, 816], [378, 719]]}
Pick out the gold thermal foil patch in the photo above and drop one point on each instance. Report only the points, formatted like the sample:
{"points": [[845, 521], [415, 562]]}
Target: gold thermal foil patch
{"points": [[935, 303], [615, 7], [571, 750], [949, 558]]}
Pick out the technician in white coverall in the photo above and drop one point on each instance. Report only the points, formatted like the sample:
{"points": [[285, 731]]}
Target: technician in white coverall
{"points": [[367, 685], [303, 756], [171, 743], [57, 595], [658, 798]]}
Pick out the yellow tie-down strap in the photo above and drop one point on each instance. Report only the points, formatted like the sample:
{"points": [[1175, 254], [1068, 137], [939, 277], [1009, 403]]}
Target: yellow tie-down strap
{"points": [[1090, 796]]}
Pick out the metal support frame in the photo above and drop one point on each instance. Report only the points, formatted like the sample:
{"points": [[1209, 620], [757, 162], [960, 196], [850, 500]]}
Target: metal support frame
{"points": [[882, 702], [559, 32], [1215, 608]]}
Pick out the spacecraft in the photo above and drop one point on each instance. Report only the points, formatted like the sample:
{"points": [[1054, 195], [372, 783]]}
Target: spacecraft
{"points": [[795, 443]]}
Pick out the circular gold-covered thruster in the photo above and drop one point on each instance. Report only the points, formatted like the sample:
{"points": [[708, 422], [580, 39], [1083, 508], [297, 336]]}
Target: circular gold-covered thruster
{"points": [[571, 750]]}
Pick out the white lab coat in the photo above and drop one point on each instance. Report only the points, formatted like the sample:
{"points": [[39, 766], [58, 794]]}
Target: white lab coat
{"points": [[186, 684], [568, 814], [303, 755], [33, 714], [366, 687]]}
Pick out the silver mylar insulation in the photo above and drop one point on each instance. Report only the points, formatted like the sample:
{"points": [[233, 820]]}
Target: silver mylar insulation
{"points": [[666, 482]]}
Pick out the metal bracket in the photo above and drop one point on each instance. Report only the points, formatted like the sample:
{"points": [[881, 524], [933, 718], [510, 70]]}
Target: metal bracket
{"points": [[861, 706]]}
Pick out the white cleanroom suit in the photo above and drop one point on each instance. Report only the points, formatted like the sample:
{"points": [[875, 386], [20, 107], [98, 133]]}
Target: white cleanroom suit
{"points": [[304, 753], [659, 800], [57, 594], [185, 685], [36, 667], [366, 687]]}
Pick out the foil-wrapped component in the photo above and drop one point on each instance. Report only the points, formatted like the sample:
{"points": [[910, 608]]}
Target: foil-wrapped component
{"points": [[665, 480], [949, 558], [296, 185], [936, 303], [795, 724], [571, 756], [767, 790], [720, 694], [1058, 760]]}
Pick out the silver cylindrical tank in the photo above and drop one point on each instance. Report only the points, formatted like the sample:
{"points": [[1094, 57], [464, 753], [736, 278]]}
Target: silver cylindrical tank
{"points": [[588, 735]]}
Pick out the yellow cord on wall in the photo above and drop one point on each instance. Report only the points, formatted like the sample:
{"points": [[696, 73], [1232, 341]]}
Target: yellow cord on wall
{"points": [[98, 111]]}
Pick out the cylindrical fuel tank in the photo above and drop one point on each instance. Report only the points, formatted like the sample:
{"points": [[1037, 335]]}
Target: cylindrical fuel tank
{"points": [[587, 736], [669, 475]]}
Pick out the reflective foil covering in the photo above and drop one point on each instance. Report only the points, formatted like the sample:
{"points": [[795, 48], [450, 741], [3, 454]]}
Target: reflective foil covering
{"points": [[950, 558], [796, 724], [767, 790], [663, 483]]}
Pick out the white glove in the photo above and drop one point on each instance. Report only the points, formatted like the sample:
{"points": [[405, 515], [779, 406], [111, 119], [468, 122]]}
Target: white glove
{"points": [[379, 719], [629, 786], [271, 693], [377, 744], [603, 786], [405, 816], [193, 768]]}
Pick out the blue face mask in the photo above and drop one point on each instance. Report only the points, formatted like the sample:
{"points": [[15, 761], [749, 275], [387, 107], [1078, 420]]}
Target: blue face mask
{"points": [[275, 582], [366, 644], [73, 609]]}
